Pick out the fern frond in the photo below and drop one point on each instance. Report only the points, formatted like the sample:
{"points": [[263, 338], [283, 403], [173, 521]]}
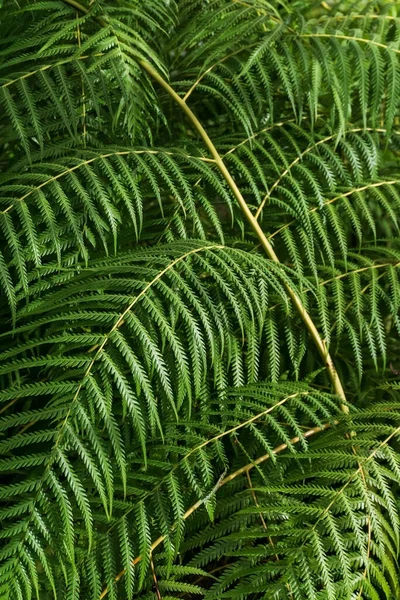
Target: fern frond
{"points": [[199, 299]]}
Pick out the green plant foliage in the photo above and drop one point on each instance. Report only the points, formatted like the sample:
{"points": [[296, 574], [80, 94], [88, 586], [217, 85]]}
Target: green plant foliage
{"points": [[199, 217]]}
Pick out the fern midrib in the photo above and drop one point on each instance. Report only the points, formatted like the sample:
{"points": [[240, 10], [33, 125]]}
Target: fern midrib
{"points": [[309, 323], [300, 157], [116, 325], [363, 188], [360, 470], [349, 38], [91, 160], [60, 63], [241, 471], [209, 441]]}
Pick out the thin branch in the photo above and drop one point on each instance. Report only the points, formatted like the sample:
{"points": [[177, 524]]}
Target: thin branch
{"points": [[8, 405], [218, 62], [350, 38], [354, 17], [77, 5], [100, 157], [300, 157], [47, 67], [365, 573], [242, 471], [153, 571], [368, 186], [78, 32], [264, 525], [309, 323], [360, 270], [299, 306], [255, 500]]}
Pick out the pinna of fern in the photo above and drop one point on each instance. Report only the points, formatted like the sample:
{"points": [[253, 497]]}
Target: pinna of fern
{"points": [[199, 299]]}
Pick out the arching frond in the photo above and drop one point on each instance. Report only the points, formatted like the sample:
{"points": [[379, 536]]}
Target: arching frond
{"points": [[199, 299]]}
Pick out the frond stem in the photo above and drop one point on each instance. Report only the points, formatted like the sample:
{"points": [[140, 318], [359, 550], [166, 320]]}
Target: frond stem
{"points": [[368, 186], [212, 440], [93, 159], [47, 67], [350, 38], [245, 470], [309, 323], [242, 471], [300, 157]]}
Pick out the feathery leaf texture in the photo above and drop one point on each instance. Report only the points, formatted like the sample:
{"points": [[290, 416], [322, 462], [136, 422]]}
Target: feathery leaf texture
{"points": [[167, 428]]}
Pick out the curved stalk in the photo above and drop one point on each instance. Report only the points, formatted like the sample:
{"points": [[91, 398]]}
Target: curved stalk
{"points": [[251, 219], [242, 471]]}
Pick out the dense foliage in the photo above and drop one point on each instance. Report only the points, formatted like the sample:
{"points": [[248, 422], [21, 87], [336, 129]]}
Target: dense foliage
{"points": [[199, 351]]}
